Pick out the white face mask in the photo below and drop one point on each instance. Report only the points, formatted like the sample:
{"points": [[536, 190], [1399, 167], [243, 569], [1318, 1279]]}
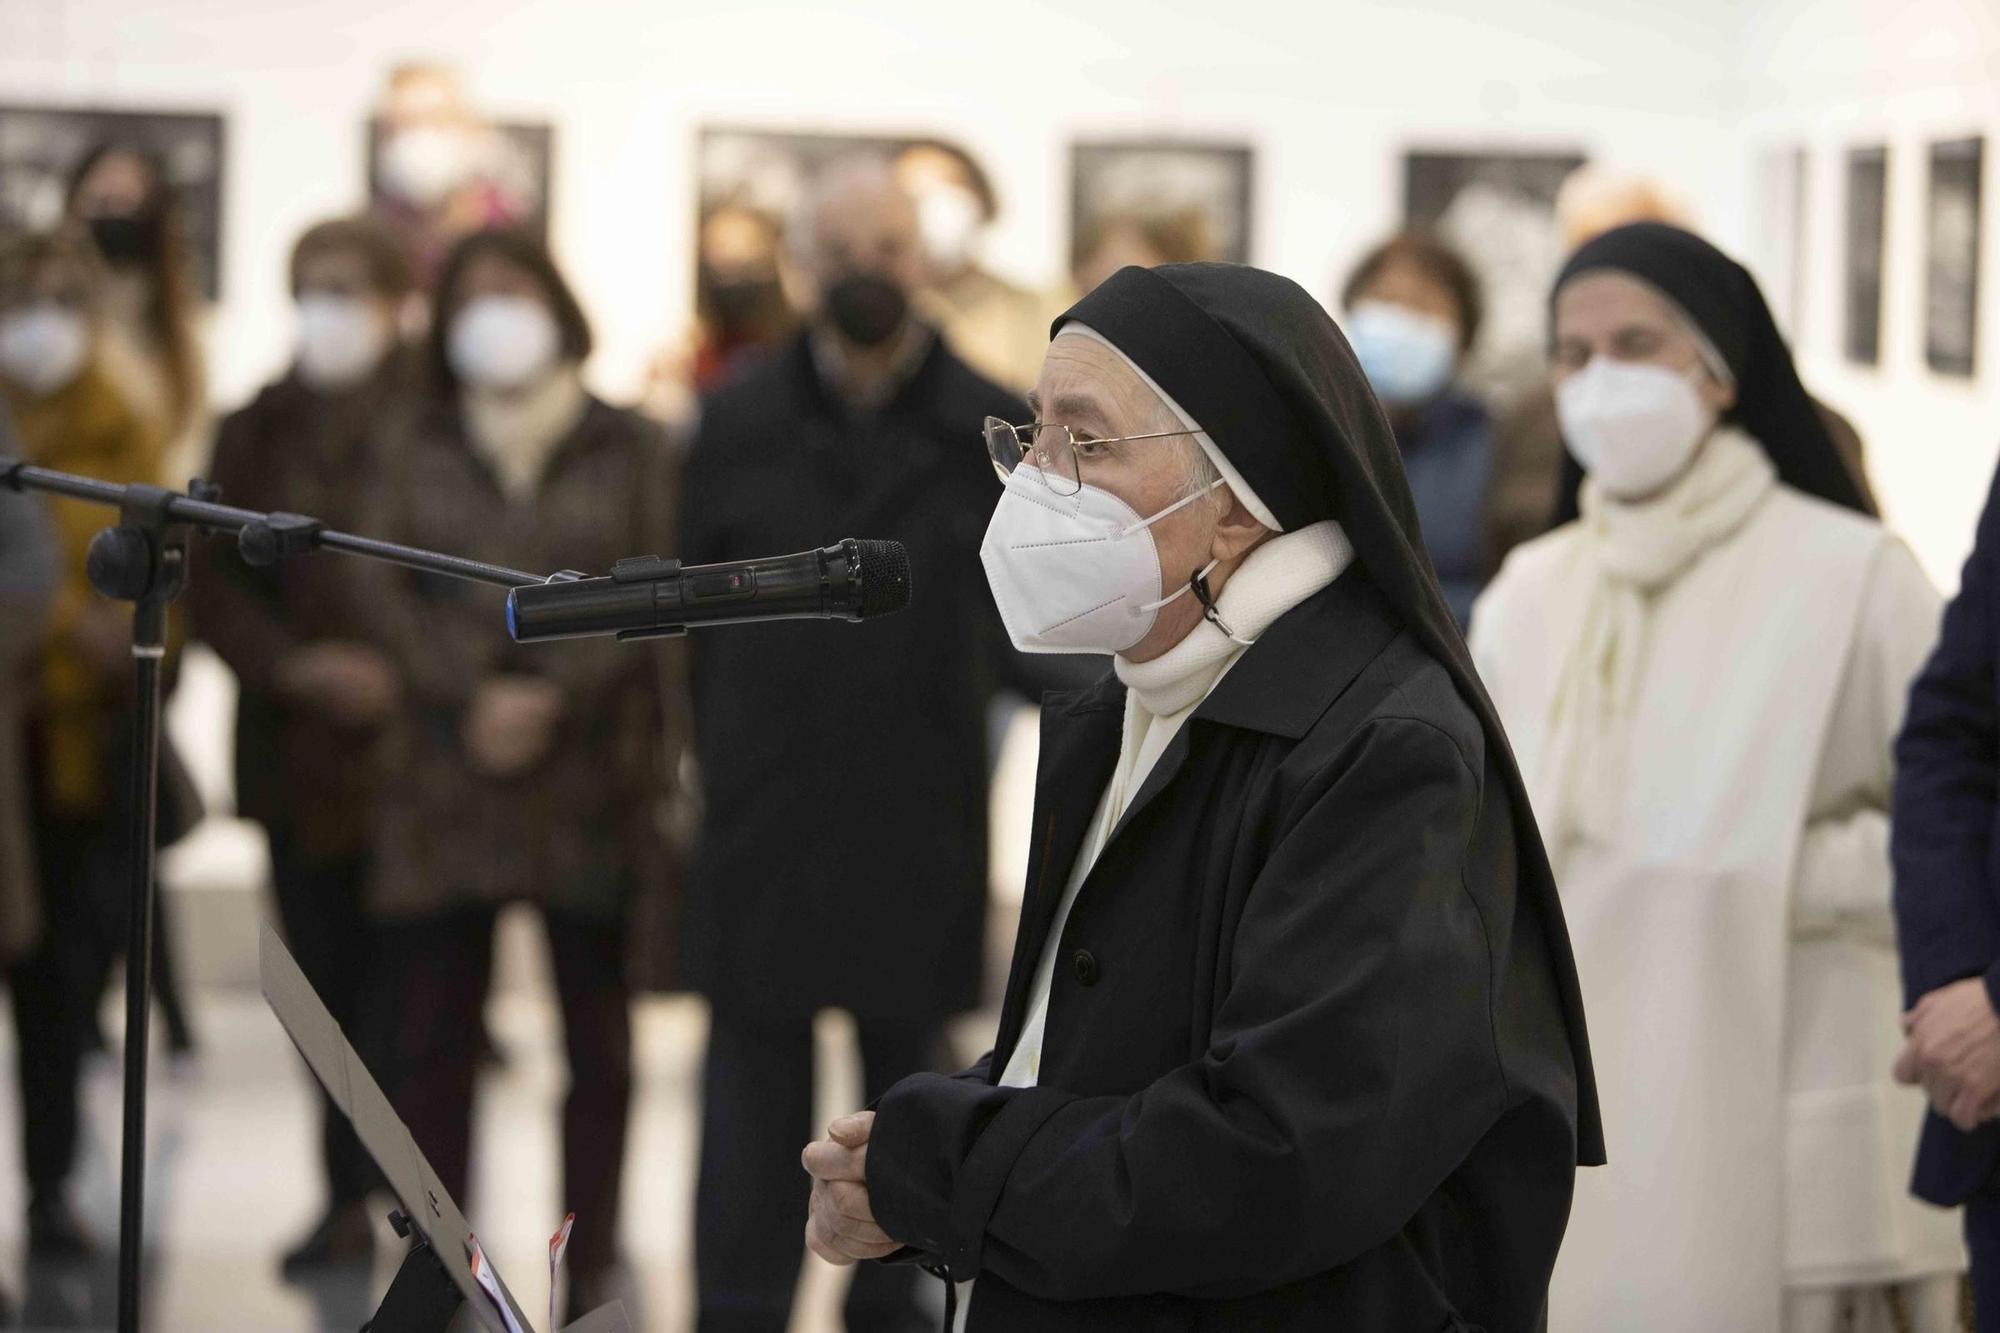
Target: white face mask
{"points": [[502, 342], [425, 163], [1074, 573], [43, 348], [342, 339], [948, 218], [1634, 427]]}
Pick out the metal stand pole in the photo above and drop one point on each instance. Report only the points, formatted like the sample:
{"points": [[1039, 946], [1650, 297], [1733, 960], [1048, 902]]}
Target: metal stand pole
{"points": [[144, 561]]}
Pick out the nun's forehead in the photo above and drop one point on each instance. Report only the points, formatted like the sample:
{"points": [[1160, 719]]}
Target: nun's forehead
{"points": [[1082, 378], [1602, 294]]}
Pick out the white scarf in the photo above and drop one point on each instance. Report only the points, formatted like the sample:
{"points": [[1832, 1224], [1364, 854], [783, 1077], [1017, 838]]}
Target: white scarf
{"points": [[1636, 552], [518, 432], [1275, 577]]}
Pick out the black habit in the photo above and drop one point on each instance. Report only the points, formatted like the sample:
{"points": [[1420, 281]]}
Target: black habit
{"points": [[1314, 1056]]}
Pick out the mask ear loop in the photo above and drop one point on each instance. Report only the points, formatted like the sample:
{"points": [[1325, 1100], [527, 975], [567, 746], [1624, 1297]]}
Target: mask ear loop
{"points": [[1199, 582]]}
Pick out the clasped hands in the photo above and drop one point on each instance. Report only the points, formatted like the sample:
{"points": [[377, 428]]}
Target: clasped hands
{"points": [[1953, 1052], [840, 1227]]}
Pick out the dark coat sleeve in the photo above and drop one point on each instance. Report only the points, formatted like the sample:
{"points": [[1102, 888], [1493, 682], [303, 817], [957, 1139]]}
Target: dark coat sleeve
{"points": [[1352, 1069], [439, 670], [1947, 919], [586, 668], [236, 609]]}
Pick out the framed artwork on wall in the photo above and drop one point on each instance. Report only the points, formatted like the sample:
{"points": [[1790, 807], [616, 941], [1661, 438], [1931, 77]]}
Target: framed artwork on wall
{"points": [[1952, 228], [1497, 207], [1867, 230], [1780, 240], [1200, 193], [41, 146]]}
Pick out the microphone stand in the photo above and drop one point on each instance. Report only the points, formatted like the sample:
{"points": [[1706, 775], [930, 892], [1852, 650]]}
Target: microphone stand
{"points": [[144, 560]]}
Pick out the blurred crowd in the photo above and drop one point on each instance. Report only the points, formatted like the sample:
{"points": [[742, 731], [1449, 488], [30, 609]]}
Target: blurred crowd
{"points": [[783, 818]]}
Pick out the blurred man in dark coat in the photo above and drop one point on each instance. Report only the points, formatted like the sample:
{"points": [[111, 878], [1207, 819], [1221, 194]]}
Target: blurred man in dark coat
{"points": [[1948, 909], [1292, 1038], [842, 856]]}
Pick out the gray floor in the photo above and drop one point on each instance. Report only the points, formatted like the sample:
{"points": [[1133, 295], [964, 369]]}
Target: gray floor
{"points": [[233, 1182]]}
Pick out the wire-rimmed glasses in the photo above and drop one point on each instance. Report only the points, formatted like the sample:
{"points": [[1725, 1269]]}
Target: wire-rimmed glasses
{"points": [[1056, 453]]}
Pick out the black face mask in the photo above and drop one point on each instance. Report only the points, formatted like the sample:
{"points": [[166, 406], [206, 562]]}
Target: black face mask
{"points": [[867, 308], [741, 304], [126, 240]]}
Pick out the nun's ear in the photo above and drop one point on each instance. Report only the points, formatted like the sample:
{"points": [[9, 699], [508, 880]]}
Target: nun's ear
{"points": [[1717, 395], [1237, 531]]}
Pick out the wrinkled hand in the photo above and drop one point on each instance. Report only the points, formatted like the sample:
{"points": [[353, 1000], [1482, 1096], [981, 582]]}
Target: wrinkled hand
{"points": [[1953, 1051], [841, 1226], [350, 682], [511, 724]]}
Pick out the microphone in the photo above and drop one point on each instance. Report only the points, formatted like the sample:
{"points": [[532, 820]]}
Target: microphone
{"points": [[649, 597]]}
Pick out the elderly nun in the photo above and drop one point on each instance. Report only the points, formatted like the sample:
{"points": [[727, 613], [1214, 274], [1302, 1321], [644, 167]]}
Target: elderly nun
{"points": [[1702, 677], [1292, 1037]]}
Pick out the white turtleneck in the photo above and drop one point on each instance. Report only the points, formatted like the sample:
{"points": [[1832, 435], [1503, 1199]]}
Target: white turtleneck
{"points": [[1160, 696]]}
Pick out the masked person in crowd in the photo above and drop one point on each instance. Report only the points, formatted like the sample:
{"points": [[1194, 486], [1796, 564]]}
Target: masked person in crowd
{"points": [[72, 417], [1291, 1038], [1413, 309], [1538, 482], [314, 693], [152, 294], [522, 775], [996, 326], [842, 854], [744, 313], [441, 171], [1702, 677], [28, 576]]}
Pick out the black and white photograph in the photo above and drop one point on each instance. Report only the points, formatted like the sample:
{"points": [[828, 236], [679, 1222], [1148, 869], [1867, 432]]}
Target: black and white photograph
{"points": [[1780, 249], [1497, 208], [1952, 231], [1193, 199], [1865, 256], [42, 148], [496, 174]]}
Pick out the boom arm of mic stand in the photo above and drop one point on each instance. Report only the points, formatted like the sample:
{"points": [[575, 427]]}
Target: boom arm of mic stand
{"points": [[270, 536]]}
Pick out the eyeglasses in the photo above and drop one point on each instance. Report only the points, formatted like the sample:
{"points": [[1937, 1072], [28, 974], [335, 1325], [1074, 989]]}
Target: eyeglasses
{"points": [[1056, 453]]}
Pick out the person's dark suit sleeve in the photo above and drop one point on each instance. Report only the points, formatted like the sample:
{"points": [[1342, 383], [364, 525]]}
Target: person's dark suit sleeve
{"points": [[1352, 1070], [1947, 919]]}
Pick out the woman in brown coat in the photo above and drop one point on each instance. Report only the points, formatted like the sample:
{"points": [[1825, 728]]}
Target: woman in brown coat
{"points": [[27, 576], [71, 417], [529, 774]]}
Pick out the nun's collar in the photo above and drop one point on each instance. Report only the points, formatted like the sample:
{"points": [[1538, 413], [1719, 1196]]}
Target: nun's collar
{"points": [[1300, 665]]}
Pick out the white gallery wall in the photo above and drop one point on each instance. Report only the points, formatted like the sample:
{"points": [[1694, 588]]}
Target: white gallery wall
{"points": [[1838, 74], [1330, 93]]}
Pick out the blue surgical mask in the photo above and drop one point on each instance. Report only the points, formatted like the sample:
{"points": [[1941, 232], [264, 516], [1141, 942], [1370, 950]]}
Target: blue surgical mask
{"points": [[1408, 356]]}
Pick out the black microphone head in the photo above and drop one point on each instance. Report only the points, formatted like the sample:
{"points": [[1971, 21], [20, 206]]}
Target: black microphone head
{"points": [[884, 576]]}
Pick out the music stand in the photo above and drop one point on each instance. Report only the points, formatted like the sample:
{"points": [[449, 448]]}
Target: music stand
{"points": [[435, 1287]]}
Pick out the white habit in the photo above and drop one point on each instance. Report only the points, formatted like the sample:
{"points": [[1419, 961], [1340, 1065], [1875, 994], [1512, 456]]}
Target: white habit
{"points": [[1705, 729]]}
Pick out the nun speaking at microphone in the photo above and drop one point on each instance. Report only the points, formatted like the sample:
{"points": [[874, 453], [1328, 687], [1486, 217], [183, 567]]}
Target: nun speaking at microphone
{"points": [[1702, 677], [1292, 1037]]}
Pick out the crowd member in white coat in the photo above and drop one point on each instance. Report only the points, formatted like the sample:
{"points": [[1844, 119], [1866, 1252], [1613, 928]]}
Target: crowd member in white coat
{"points": [[1702, 678]]}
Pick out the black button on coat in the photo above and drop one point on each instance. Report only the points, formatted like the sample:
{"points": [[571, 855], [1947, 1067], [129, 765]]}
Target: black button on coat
{"points": [[1324, 1079]]}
